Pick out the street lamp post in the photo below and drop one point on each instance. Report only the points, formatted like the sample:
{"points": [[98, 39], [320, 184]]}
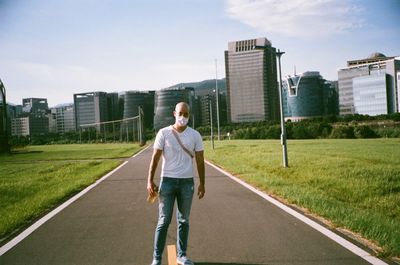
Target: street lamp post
{"points": [[283, 129], [217, 99], [211, 124]]}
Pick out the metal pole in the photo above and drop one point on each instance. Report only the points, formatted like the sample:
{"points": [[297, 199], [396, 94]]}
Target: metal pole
{"points": [[113, 131], [127, 131], [283, 129], [140, 127], [7, 146], [217, 98], [211, 124], [133, 130]]}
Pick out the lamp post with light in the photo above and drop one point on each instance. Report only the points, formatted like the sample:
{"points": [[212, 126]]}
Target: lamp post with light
{"points": [[283, 129]]}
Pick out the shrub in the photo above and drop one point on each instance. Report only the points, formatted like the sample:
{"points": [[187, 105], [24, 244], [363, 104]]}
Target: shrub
{"points": [[364, 132], [342, 132]]}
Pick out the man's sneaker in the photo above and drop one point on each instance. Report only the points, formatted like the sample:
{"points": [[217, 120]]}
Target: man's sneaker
{"points": [[156, 262], [184, 261]]}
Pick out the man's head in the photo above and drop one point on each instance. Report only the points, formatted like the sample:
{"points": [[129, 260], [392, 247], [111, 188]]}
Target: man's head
{"points": [[181, 114]]}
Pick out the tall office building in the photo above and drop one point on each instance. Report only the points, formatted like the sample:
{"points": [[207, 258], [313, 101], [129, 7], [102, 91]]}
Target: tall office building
{"points": [[308, 95], [251, 81], [113, 110], [90, 108], [165, 101], [135, 99], [370, 86], [208, 106], [37, 106], [34, 119], [30, 125], [65, 118]]}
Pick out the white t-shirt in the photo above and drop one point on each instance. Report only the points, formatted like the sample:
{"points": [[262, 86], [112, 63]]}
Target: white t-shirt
{"points": [[176, 162]]}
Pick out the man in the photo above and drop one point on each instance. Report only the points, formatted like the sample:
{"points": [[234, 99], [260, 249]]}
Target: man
{"points": [[176, 180]]}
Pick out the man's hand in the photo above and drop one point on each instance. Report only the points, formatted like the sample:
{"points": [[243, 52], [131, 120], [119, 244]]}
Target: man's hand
{"points": [[201, 190], [152, 188]]}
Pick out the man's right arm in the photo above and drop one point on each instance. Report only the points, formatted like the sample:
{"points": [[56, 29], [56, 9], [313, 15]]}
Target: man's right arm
{"points": [[152, 170]]}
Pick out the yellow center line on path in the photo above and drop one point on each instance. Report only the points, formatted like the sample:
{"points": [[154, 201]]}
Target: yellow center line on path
{"points": [[171, 249]]}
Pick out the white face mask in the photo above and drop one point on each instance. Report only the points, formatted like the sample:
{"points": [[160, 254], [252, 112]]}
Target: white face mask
{"points": [[181, 120]]}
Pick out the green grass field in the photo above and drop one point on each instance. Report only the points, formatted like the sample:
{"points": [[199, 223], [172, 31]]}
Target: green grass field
{"points": [[353, 183], [35, 179]]}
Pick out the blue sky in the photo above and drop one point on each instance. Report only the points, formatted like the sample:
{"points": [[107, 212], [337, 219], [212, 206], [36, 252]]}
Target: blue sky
{"points": [[56, 48]]}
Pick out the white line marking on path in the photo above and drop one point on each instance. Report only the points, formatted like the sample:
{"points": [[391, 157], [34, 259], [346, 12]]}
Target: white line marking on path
{"points": [[341, 241], [53, 213]]}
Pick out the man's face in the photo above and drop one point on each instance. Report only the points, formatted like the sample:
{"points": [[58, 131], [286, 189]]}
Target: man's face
{"points": [[181, 110]]}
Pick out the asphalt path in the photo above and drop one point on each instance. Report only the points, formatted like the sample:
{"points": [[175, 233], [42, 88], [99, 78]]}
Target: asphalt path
{"points": [[113, 224]]}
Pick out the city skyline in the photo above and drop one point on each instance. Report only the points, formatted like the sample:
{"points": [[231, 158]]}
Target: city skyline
{"points": [[54, 50]]}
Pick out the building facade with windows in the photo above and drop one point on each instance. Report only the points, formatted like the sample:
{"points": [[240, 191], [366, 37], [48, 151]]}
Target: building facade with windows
{"points": [[90, 108], [64, 118], [370, 86], [308, 95], [35, 118], [251, 81], [36, 106], [30, 125], [164, 104], [143, 99]]}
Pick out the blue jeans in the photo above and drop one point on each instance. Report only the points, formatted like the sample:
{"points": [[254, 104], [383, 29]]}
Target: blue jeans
{"points": [[170, 189]]}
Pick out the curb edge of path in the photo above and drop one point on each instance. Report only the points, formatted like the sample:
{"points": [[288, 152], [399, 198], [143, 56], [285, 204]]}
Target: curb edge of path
{"points": [[323, 230], [25, 233]]}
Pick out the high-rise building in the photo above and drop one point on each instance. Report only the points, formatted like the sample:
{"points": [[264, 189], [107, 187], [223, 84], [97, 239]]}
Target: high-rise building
{"points": [[204, 109], [20, 126], [30, 125], [251, 81], [37, 106], [308, 95], [370, 86], [65, 118], [164, 104], [34, 119], [113, 112], [90, 108], [135, 99]]}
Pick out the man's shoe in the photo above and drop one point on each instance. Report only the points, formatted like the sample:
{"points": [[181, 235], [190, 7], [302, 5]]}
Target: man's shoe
{"points": [[156, 262], [184, 261]]}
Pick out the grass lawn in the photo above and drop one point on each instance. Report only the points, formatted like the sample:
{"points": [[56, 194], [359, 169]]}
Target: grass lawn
{"points": [[353, 183], [35, 179]]}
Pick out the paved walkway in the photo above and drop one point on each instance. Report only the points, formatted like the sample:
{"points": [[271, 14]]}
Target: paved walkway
{"points": [[113, 224]]}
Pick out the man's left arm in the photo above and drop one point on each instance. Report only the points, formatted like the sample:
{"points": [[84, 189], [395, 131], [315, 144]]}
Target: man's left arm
{"points": [[200, 169]]}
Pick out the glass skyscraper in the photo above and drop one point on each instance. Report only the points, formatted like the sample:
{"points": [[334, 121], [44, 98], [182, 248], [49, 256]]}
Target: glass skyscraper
{"points": [[251, 81], [90, 108], [370, 96], [165, 102], [65, 118], [369, 86], [135, 99], [308, 95]]}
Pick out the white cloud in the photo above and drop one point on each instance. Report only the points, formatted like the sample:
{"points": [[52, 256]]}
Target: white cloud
{"points": [[294, 18]]}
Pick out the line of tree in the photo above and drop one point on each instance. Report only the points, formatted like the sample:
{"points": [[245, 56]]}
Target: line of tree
{"points": [[344, 127]]}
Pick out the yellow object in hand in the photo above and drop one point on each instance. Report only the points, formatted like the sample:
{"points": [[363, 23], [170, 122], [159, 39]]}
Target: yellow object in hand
{"points": [[152, 199]]}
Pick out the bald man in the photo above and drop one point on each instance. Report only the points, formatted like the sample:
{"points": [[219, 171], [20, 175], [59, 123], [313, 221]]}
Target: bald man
{"points": [[178, 144]]}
